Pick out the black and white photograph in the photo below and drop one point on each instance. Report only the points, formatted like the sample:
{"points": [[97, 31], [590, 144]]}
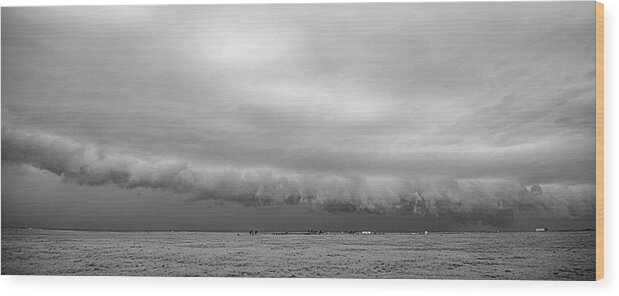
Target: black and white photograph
{"points": [[452, 140]]}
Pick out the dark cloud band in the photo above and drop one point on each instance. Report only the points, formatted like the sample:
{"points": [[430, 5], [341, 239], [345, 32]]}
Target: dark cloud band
{"points": [[493, 202]]}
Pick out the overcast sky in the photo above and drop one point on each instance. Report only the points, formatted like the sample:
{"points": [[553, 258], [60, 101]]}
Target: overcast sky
{"points": [[423, 94]]}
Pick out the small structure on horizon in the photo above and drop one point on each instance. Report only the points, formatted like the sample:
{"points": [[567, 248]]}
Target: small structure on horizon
{"points": [[541, 229]]}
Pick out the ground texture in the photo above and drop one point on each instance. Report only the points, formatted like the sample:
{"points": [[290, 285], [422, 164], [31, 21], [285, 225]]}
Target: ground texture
{"points": [[514, 255]]}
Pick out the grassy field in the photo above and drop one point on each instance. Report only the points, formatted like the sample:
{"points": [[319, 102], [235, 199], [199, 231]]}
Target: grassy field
{"points": [[513, 255]]}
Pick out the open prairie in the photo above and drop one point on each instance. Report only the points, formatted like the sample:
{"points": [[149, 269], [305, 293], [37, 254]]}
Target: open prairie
{"points": [[508, 255]]}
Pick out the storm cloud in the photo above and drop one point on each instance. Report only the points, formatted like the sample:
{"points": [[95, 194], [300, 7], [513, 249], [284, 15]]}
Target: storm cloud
{"points": [[487, 201], [479, 111]]}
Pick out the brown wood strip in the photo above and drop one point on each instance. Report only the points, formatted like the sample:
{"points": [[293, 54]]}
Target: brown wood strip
{"points": [[599, 139]]}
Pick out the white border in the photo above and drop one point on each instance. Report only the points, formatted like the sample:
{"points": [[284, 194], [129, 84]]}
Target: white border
{"points": [[142, 2]]}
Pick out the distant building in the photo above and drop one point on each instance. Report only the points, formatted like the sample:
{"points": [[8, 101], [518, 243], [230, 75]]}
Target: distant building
{"points": [[541, 229]]}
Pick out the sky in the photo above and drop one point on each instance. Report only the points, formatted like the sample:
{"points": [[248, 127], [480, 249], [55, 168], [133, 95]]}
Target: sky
{"points": [[392, 117]]}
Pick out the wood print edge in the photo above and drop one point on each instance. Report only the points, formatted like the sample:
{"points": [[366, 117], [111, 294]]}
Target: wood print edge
{"points": [[599, 140]]}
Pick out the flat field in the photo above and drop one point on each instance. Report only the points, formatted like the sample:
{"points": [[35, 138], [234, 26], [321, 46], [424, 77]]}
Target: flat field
{"points": [[507, 255]]}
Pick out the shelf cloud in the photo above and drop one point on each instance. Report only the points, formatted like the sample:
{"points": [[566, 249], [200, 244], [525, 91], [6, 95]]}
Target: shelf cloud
{"points": [[490, 201]]}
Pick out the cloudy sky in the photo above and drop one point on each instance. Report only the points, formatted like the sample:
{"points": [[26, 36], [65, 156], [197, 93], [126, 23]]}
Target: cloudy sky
{"points": [[225, 117]]}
